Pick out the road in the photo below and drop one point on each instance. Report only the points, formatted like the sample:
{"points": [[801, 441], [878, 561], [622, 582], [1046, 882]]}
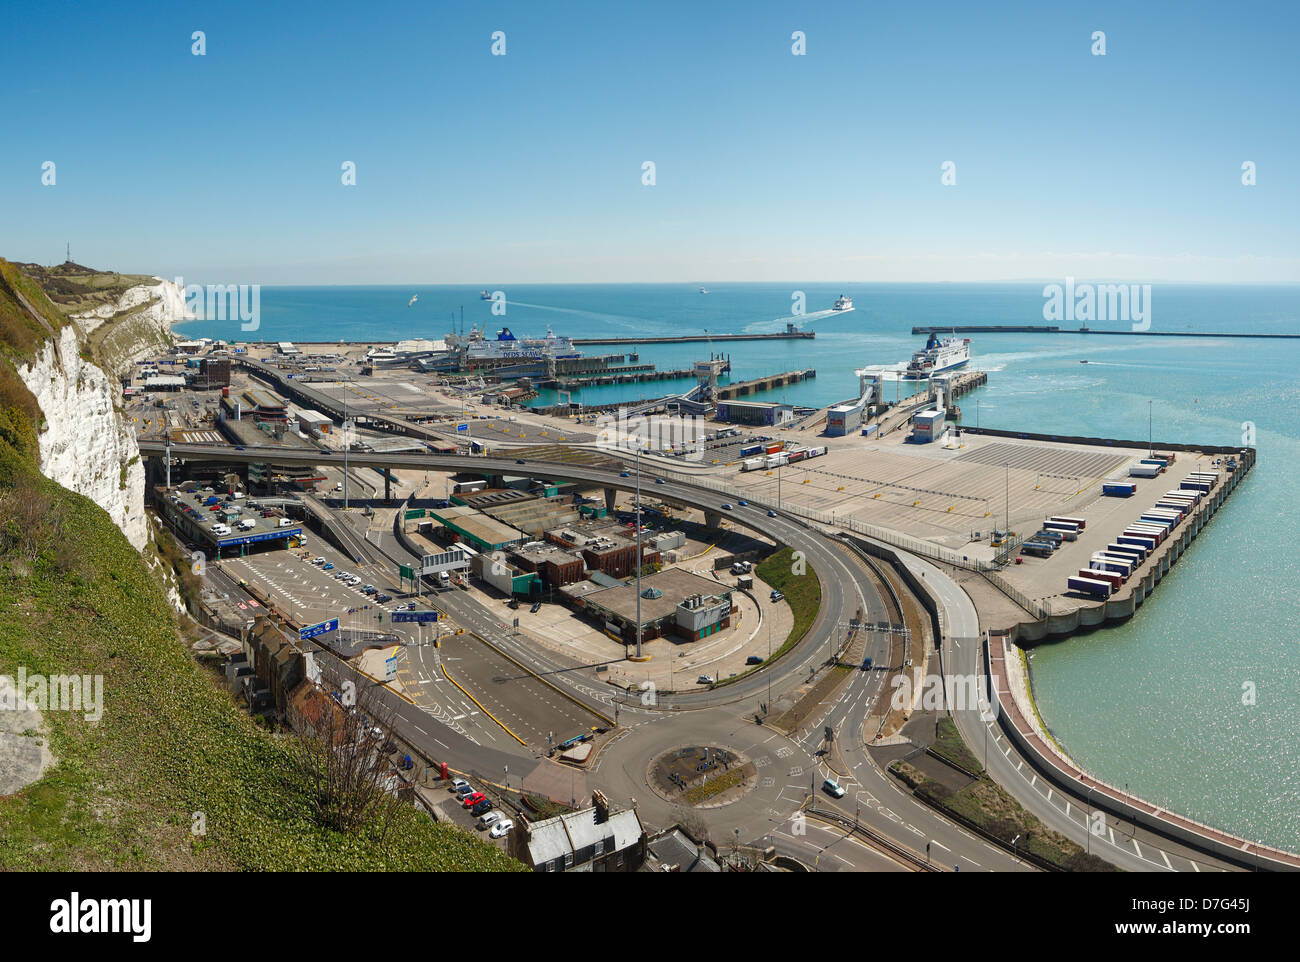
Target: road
{"points": [[723, 716]]}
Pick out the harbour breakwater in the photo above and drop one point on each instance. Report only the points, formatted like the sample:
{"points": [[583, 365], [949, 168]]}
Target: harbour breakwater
{"points": [[1056, 329]]}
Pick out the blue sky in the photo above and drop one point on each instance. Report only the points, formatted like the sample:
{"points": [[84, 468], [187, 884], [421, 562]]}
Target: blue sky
{"points": [[474, 168]]}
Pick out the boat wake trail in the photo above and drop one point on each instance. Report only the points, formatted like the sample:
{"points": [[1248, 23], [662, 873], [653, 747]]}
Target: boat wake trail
{"points": [[778, 324], [621, 320]]}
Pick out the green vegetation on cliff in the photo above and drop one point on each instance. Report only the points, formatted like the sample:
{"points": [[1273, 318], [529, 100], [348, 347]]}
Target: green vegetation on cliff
{"points": [[127, 789]]}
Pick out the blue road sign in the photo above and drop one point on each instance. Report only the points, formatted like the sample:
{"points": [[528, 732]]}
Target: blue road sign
{"points": [[311, 631], [421, 617], [462, 428]]}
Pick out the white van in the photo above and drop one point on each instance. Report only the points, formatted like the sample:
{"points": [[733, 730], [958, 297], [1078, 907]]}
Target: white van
{"points": [[285, 522], [248, 524]]}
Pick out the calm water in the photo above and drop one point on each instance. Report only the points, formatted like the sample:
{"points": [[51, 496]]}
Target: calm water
{"points": [[1156, 703]]}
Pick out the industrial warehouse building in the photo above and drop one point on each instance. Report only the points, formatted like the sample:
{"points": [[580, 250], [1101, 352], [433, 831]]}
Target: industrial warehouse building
{"points": [[480, 531], [674, 603], [760, 413]]}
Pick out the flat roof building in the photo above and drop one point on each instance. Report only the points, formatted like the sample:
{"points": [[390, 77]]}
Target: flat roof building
{"points": [[482, 532], [673, 602]]}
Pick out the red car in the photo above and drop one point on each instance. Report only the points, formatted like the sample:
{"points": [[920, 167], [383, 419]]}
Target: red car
{"points": [[473, 799]]}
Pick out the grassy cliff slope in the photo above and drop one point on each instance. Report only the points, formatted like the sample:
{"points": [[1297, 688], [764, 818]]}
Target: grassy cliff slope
{"points": [[75, 597]]}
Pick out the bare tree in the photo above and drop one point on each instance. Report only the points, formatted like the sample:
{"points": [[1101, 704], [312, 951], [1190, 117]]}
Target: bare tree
{"points": [[341, 755]]}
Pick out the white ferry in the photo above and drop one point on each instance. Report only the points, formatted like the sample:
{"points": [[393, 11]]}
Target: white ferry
{"points": [[474, 346], [939, 355], [843, 303]]}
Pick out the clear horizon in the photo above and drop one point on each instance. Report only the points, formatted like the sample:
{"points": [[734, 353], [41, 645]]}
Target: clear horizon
{"points": [[827, 166]]}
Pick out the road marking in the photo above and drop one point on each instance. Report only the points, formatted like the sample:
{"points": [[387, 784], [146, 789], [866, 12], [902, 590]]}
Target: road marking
{"points": [[1166, 858]]}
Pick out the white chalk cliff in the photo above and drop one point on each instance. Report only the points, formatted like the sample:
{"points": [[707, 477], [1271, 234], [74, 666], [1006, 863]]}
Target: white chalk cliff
{"points": [[86, 445]]}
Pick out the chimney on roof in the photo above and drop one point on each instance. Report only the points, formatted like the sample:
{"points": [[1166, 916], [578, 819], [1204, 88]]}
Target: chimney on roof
{"points": [[601, 803]]}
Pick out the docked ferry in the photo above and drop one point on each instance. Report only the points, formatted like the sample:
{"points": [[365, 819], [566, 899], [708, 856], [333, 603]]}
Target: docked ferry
{"points": [[474, 346], [843, 303], [939, 355]]}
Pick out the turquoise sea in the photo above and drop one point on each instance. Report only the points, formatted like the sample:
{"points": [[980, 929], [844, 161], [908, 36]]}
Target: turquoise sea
{"points": [[1156, 704]]}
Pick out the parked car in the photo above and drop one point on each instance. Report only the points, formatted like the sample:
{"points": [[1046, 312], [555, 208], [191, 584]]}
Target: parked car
{"points": [[318, 561], [458, 783], [472, 799], [489, 818], [537, 606], [482, 808], [832, 788], [753, 660], [704, 680], [383, 598], [501, 828], [464, 791], [328, 566], [777, 596]]}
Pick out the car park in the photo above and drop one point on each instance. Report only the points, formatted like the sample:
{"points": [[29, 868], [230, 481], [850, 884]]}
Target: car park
{"points": [[501, 828]]}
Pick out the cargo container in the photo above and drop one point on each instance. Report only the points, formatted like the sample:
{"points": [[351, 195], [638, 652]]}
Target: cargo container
{"points": [[1077, 522], [1115, 581], [1116, 568], [774, 448], [749, 449], [817, 452], [1173, 506], [1055, 537], [1161, 531], [1056, 524], [1201, 486], [1144, 540], [1153, 460], [1119, 489], [1174, 513], [798, 456], [1069, 534], [1143, 471], [1130, 550], [1127, 561], [753, 464], [1193, 497], [1089, 586]]}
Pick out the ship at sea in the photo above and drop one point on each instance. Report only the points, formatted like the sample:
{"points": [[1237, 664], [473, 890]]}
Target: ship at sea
{"points": [[843, 303], [938, 355]]}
